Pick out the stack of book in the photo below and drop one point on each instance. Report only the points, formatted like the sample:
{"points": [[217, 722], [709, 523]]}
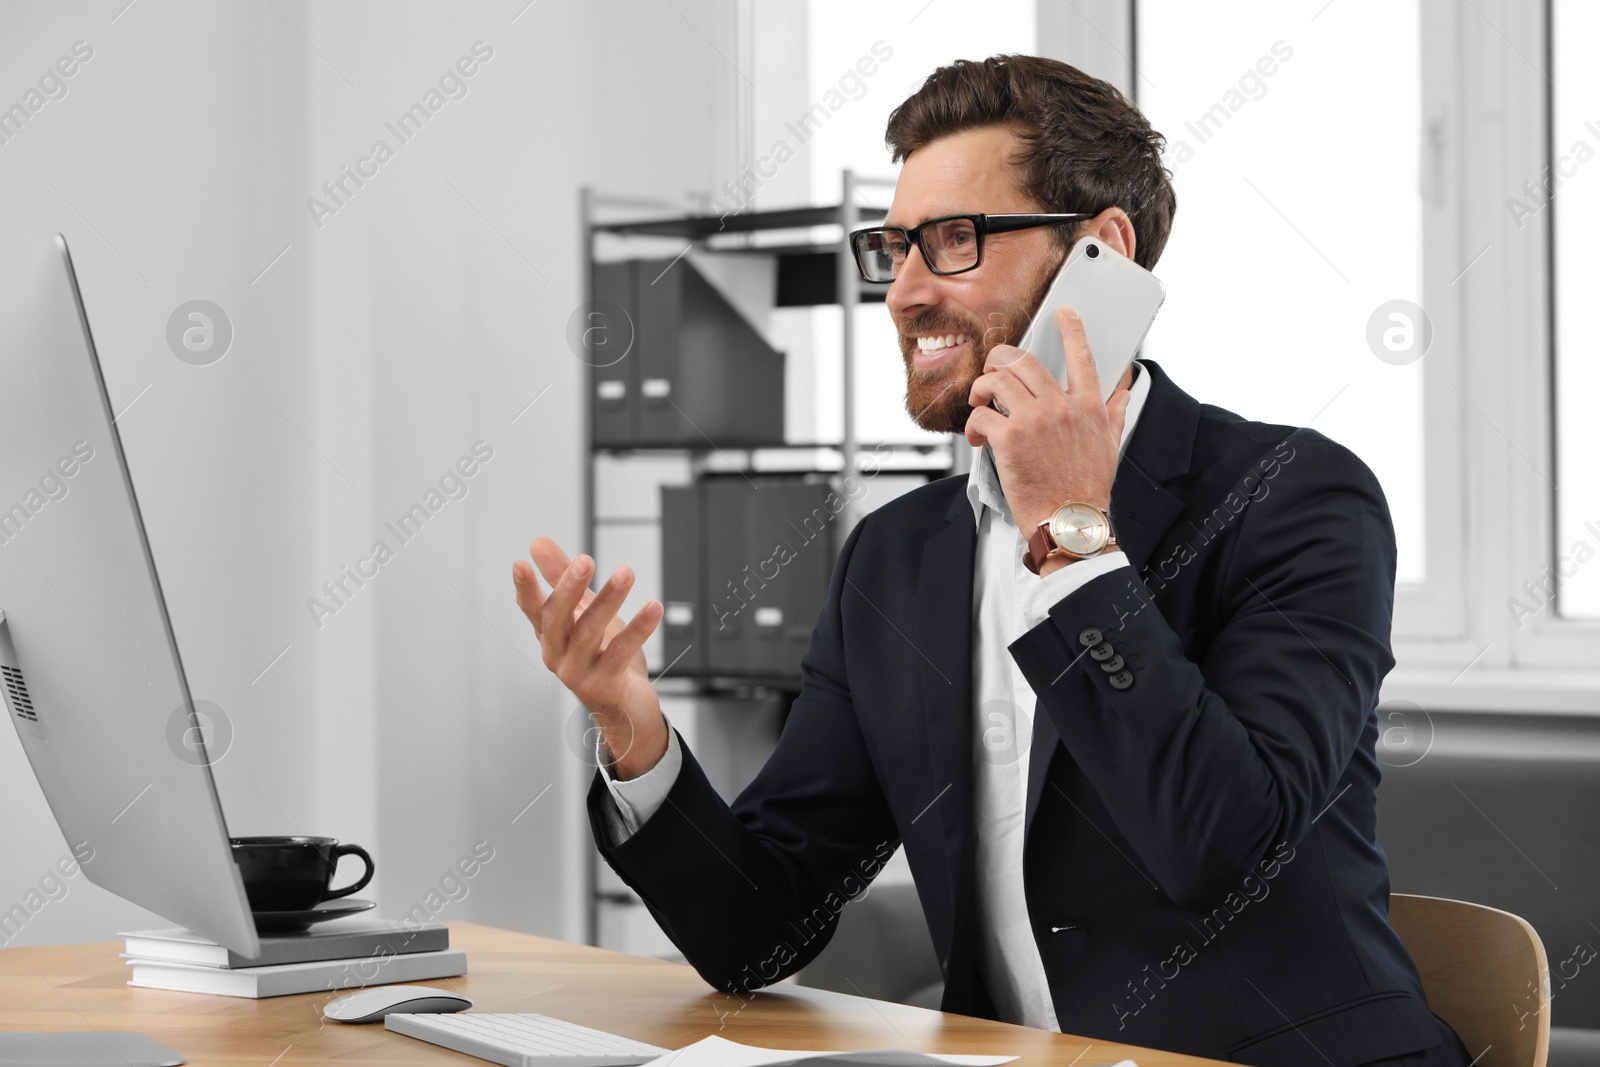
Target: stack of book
{"points": [[344, 954]]}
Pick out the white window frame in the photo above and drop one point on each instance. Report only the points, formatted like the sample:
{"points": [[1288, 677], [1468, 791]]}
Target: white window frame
{"points": [[1547, 641]]}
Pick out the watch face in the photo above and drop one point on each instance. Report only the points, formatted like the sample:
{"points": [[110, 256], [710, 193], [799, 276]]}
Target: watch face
{"points": [[1080, 529]]}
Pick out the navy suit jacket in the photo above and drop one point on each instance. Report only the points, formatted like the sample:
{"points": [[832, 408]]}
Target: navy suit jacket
{"points": [[1201, 861]]}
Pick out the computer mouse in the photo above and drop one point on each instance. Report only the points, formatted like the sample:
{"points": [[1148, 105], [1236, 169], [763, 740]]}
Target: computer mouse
{"points": [[371, 1005]]}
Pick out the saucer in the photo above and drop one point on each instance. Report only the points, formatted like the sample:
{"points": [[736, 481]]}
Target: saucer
{"points": [[272, 922]]}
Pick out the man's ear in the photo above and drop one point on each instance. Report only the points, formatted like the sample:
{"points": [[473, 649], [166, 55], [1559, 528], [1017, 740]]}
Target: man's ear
{"points": [[1113, 227]]}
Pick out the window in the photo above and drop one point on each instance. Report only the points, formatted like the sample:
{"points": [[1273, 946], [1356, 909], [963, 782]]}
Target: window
{"points": [[1458, 141], [1297, 252], [921, 36], [1572, 191]]}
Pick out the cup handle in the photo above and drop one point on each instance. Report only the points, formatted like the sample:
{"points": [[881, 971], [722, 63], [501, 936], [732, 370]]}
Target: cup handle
{"points": [[351, 850]]}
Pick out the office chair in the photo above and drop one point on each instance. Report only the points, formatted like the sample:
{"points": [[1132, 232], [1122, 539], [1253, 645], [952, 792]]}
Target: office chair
{"points": [[1484, 972]]}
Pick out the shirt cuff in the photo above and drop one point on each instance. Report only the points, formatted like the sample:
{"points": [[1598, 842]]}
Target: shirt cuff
{"points": [[634, 800], [1061, 583]]}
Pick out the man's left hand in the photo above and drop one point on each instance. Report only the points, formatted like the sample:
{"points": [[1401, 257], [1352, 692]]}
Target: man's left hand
{"points": [[1053, 445]]}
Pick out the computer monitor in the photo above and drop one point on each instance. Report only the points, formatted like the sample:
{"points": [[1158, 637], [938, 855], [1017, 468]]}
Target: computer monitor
{"points": [[92, 678]]}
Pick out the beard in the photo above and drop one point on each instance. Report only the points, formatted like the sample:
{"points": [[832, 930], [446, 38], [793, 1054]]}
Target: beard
{"points": [[936, 399]]}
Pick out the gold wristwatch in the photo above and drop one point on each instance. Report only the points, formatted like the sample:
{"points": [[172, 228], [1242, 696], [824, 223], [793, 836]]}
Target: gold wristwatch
{"points": [[1076, 530]]}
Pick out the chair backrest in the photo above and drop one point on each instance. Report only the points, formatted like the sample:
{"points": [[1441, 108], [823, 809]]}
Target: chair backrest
{"points": [[1484, 973]]}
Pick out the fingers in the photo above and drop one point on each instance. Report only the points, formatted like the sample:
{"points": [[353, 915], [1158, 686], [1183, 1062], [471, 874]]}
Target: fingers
{"points": [[1012, 393], [551, 560], [553, 563], [631, 638], [982, 424], [1083, 379], [1003, 355], [555, 621], [573, 623], [1004, 359], [591, 625], [1117, 411], [529, 597]]}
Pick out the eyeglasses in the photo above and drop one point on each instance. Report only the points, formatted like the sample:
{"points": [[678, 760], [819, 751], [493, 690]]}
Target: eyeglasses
{"points": [[950, 244]]}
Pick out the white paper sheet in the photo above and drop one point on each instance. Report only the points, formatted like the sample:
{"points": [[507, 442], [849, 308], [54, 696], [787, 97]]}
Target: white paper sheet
{"points": [[718, 1052], [714, 1051]]}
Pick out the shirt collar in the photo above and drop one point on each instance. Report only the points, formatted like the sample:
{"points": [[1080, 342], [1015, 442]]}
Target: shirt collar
{"points": [[983, 481]]}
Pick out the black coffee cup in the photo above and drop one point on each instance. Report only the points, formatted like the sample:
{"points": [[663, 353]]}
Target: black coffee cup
{"points": [[293, 873]]}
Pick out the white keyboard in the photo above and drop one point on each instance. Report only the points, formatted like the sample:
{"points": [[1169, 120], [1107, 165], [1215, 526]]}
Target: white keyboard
{"points": [[523, 1040]]}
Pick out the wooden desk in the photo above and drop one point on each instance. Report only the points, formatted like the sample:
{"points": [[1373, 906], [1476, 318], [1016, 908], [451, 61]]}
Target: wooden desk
{"points": [[83, 987]]}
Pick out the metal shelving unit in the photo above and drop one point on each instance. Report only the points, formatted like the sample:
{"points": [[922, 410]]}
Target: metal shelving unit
{"points": [[809, 272]]}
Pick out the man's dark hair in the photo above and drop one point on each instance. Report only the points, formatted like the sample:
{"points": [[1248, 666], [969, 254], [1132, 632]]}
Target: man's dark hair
{"points": [[1086, 148]]}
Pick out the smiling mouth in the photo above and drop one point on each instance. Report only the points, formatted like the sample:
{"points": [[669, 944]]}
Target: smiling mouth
{"points": [[933, 349]]}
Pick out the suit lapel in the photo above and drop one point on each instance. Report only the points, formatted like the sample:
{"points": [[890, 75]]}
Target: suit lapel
{"points": [[1142, 510], [1041, 752], [941, 631]]}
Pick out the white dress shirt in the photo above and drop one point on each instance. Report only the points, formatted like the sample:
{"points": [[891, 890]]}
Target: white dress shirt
{"points": [[1007, 601]]}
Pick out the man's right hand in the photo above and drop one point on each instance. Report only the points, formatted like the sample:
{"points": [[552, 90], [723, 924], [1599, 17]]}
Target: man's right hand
{"points": [[594, 655]]}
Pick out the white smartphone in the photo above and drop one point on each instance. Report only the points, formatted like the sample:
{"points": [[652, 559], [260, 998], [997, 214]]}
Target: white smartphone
{"points": [[1117, 300]]}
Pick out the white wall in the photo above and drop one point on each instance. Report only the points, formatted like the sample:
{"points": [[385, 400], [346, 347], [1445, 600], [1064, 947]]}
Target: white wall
{"points": [[173, 164], [415, 321]]}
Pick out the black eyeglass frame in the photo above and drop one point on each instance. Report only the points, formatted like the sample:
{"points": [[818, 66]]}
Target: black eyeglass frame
{"points": [[982, 226]]}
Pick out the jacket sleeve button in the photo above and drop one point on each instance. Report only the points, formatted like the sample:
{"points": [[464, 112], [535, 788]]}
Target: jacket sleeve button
{"points": [[1121, 680], [1102, 652], [1089, 637], [1112, 665]]}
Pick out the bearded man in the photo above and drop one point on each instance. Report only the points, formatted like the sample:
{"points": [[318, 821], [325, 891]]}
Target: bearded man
{"points": [[1179, 617]]}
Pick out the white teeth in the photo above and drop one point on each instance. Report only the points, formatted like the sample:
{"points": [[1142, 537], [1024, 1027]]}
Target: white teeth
{"points": [[934, 344]]}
